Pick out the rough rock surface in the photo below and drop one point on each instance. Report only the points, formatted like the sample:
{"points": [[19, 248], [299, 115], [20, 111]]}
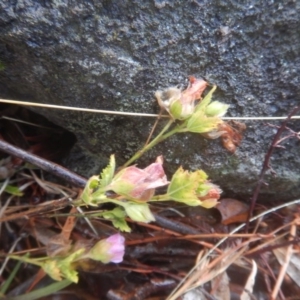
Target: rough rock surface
{"points": [[114, 54]]}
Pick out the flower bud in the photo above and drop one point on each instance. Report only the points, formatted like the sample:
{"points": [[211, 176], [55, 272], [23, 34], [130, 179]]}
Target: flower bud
{"points": [[209, 194], [108, 250], [216, 109], [181, 104]]}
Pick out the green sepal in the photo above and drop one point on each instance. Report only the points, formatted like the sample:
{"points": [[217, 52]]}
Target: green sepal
{"points": [[117, 216], [58, 268], [216, 109], [176, 109], [51, 268], [66, 267], [200, 123], [139, 212], [206, 100]]}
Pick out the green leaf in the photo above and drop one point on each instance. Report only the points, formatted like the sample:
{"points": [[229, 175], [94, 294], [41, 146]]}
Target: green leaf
{"points": [[139, 212], [200, 123], [206, 100], [185, 186], [13, 190], [66, 268], [4, 287], [86, 195], [117, 216], [52, 269], [43, 292], [107, 174], [121, 224]]}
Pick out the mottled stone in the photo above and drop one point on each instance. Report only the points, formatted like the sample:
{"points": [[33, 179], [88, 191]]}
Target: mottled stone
{"points": [[114, 54]]}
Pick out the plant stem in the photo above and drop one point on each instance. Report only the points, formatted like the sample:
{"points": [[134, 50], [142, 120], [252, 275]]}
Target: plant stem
{"points": [[160, 137], [165, 197], [25, 260], [154, 142]]}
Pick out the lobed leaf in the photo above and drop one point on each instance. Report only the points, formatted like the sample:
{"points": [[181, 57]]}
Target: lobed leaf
{"points": [[107, 174], [183, 187], [117, 216]]}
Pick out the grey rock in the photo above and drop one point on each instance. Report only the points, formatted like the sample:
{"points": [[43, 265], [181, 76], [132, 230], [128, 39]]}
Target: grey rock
{"points": [[114, 54]]}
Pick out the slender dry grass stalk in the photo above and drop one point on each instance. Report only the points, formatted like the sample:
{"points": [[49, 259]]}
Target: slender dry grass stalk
{"points": [[122, 113], [284, 267]]}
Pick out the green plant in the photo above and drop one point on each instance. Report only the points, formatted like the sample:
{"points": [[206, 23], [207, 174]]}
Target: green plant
{"points": [[132, 189]]}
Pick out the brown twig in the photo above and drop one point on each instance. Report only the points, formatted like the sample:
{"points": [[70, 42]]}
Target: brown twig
{"points": [[175, 225], [44, 164], [78, 181], [266, 164]]}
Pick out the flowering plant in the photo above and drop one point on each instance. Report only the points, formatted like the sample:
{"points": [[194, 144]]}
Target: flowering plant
{"points": [[107, 250], [132, 189]]}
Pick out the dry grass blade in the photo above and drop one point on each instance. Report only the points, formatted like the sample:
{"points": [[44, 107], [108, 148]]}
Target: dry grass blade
{"points": [[101, 111], [40, 209], [209, 270], [248, 289], [175, 292], [220, 287], [293, 269], [11, 250], [5, 207], [285, 264], [26, 211]]}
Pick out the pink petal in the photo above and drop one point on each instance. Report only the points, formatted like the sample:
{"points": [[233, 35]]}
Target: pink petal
{"points": [[193, 91], [132, 174], [117, 248]]}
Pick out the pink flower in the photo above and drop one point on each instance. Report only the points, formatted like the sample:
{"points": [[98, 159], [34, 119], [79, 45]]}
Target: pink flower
{"points": [[139, 184], [117, 247], [108, 250]]}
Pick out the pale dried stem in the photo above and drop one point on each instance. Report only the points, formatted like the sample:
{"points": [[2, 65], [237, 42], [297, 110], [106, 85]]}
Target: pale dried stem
{"points": [[284, 267], [273, 236], [153, 128], [265, 244], [101, 111]]}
